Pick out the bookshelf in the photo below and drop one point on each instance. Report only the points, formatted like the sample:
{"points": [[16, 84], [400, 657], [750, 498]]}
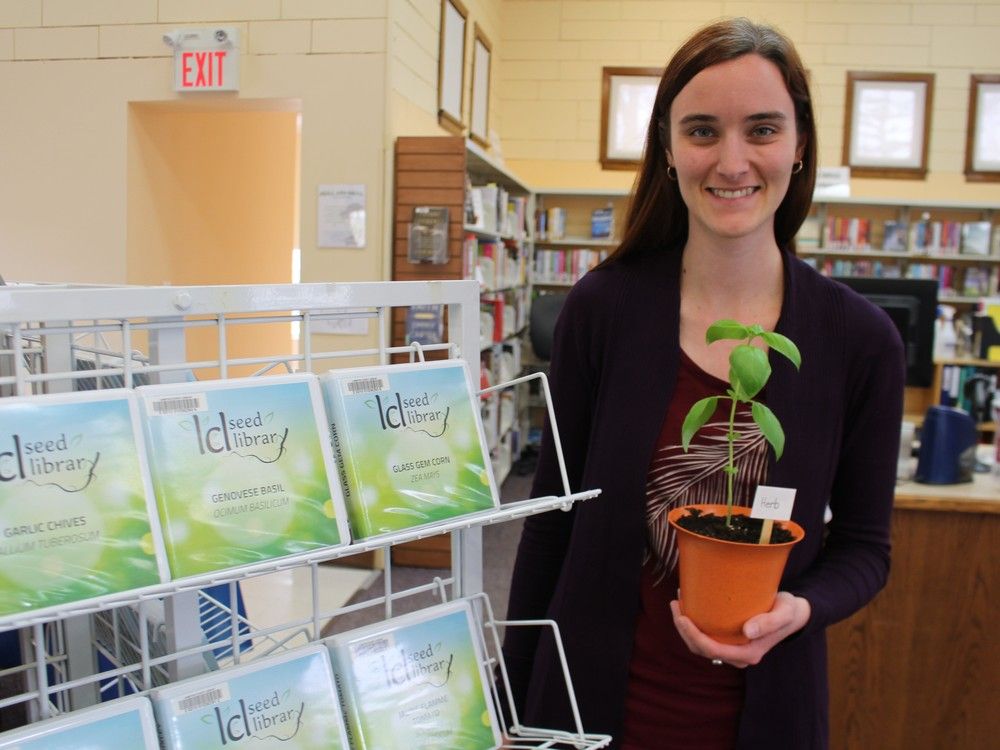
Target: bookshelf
{"points": [[914, 239], [566, 248]]}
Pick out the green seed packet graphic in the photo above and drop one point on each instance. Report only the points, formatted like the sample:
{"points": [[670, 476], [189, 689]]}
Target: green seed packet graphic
{"points": [[286, 702], [416, 681], [125, 724], [76, 514], [240, 471], [409, 445]]}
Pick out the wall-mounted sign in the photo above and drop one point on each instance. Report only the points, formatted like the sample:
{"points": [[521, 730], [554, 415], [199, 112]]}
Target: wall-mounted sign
{"points": [[340, 216], [205, 59]]}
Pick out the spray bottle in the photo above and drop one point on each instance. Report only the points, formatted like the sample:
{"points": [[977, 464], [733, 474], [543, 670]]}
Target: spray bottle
{"points": [[945, 337]]}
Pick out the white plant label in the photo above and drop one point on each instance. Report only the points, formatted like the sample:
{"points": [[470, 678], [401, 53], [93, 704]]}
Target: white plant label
{"points": [[773, 502]]}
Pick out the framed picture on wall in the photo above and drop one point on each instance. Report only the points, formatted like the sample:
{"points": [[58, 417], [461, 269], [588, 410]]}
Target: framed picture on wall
{"points": [[482, 52], [887, 122], [982, 141], [451, 65], [627, 96]]}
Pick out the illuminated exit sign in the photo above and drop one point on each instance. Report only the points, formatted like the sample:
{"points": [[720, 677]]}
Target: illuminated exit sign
{"points": [[205, 59]]}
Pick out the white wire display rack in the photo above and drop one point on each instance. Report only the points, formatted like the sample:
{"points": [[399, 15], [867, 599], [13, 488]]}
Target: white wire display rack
{"points": [[56, 338]]}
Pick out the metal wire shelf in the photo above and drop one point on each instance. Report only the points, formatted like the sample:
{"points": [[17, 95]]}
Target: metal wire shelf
{"points": [[58, 338]]}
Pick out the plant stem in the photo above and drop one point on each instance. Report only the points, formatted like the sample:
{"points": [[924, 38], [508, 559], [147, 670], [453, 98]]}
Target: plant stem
{"points": [[732, 464]]}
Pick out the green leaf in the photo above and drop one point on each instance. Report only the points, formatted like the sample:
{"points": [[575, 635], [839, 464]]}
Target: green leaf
{"points": [[699, 413], [770, 427], [783, 345], [748, 370], [725, 329]]}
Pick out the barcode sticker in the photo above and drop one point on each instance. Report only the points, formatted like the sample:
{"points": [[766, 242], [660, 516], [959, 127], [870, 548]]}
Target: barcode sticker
{"points": [[203, 699], [371, 384], [370, 647], [170, 405]]}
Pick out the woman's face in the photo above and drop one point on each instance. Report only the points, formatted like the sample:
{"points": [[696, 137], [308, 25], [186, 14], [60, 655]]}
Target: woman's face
{"points": [[733, 140]]}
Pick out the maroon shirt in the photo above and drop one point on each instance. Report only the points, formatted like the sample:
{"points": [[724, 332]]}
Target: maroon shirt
{"points": [[675, 698]]}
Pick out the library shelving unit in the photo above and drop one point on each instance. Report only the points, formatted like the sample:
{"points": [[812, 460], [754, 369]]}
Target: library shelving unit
{"points": [[848, 237], [59, 339], [566, 249]]}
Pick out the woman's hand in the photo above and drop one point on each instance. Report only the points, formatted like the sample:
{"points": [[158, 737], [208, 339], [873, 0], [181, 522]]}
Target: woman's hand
{"points": [[789, 614]]}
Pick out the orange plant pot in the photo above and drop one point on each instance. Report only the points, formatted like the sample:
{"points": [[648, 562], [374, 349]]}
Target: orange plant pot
{"points": [[724, 584]]}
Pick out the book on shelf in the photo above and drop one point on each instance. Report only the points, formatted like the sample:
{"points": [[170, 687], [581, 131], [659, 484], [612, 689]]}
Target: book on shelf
{"points": [[272, 703], [939, 237], [980, 282], [240, 471], [409, 445], [487, 324], [602, 223], [556, 223], [122, 724], [489, 207], [510, 360], [565, 266], [995, 242], [417, 681], [79, 521], [517, 217], [847, 233], [490, 259], [541, 225], [894, 236], [493, 306], [470, 259], [471, 214], [963, 280], [475, 210], [976, 238], [810, 233]]}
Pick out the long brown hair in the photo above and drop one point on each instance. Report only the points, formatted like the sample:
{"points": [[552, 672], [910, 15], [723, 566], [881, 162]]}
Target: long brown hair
{"points": [[656, 219]]}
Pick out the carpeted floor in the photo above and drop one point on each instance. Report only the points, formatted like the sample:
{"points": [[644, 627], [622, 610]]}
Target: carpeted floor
{"points": [[499, 548]]}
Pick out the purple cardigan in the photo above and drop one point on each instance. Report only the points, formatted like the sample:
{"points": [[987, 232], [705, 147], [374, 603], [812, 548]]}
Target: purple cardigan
{"points": [[613, 371]]}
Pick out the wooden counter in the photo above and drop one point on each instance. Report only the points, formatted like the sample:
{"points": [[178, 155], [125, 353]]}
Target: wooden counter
{"points": [[920, 666]]}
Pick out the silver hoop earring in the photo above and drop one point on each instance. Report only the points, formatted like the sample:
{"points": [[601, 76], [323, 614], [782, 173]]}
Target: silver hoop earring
{"points": [[672, 175], [797, 167]]}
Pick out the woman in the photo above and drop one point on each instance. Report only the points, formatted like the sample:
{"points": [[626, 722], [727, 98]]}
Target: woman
{"points": [[725, 182]]}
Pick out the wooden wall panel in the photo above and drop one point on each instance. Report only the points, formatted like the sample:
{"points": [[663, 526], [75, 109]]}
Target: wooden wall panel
{"points": [[920, 666], [429, 171]]}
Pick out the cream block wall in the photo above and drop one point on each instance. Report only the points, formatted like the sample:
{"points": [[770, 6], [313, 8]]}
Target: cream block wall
{"points": [[68, 71], [361, 72], [553, 52], [413, 63]]}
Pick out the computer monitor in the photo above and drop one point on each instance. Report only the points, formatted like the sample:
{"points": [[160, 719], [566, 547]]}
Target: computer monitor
{"points": [[912, 306]]}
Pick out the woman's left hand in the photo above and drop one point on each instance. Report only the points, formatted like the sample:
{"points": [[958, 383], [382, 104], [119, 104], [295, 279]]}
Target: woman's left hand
{"points": [[789, 614]]}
